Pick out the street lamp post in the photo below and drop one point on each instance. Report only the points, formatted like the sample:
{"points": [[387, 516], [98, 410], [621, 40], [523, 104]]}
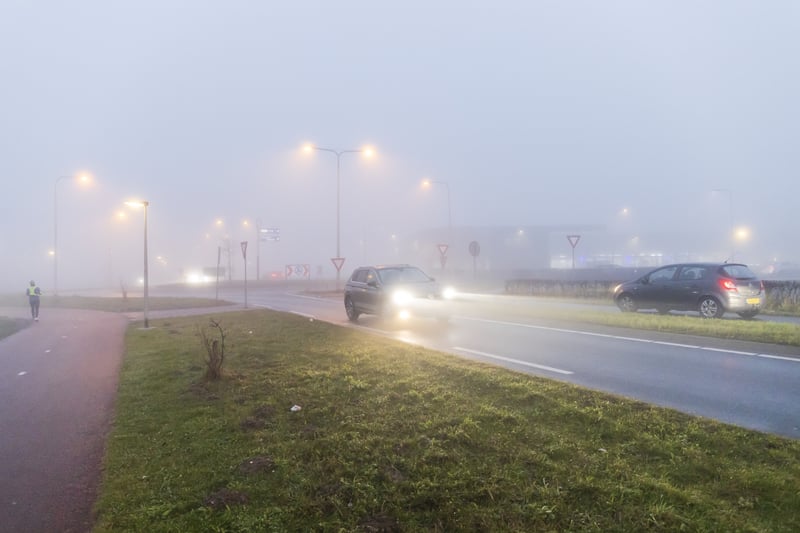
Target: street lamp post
{"points": [[428, 183], [338, 154], [731, 234], [84, 178], [144, 204]]}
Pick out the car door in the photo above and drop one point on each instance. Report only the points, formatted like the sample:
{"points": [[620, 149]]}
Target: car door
{"points": [[655, 288], [689, 286], [373, 292], [357, 289]]}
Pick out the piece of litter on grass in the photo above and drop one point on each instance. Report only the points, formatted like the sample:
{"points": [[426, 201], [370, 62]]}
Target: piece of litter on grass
{"points": [[250, 332], [295, 408], [603, 450]]}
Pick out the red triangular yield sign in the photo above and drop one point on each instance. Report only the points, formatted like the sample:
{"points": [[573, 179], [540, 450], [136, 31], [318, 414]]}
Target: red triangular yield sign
{"points": [[443, 248], [573, 240], [337, 262]]}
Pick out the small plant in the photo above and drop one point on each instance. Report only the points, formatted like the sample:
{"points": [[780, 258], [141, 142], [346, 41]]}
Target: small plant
{"points": [[215, 348]]}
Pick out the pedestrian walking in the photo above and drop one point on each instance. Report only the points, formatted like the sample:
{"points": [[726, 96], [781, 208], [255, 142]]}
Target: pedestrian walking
{"points": [[34, 294]]}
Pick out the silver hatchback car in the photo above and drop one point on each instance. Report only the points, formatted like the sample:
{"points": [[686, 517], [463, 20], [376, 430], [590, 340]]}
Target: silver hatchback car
{"points": [[708, 288]]}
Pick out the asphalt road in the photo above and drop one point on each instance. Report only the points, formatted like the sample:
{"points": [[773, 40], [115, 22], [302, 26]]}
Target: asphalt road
{"points": [[752, 385], [58, 381]]}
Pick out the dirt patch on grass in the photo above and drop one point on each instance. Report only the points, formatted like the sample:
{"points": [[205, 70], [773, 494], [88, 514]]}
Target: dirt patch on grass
{"points": [[225, 498], [379, 524], [255, 465]]}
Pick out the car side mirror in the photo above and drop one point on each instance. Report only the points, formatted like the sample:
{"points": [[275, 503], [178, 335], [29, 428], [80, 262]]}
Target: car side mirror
{"points": [[644, 281], [372, 283]]}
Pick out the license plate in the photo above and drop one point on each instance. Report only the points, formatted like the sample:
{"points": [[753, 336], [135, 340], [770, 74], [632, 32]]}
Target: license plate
{"points": [[753, 301]]}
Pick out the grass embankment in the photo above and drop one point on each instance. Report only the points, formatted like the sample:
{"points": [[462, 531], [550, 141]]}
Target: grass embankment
{"points": [[9, 326], [734, 328], [393, 437], [745, 330], [112, 304]]}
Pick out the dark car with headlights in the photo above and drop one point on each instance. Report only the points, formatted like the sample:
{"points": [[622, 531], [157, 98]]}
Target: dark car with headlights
{"points": [[711, 289], [392, 291]]}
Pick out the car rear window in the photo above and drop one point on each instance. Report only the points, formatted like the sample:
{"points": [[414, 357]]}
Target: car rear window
{"points": [[402, 275], [738, 272]]}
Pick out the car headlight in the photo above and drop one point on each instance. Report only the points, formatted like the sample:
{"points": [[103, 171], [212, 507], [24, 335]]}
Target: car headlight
{"points": [[401, 297], [448, 293]]}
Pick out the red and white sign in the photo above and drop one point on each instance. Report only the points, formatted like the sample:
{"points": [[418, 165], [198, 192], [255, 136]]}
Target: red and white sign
{"points": [[298, 272], [573, 240], [443, 249], [337, 262]]}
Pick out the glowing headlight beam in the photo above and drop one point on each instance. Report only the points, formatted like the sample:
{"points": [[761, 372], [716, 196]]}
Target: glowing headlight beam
{"points": [[401, 297]]}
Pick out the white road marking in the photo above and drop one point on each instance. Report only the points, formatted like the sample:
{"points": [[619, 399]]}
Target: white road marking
{"points": [[318, 298], [48, 350], [723, 350], [781, 357], [515, 361], [21, 373], [633, 339]]}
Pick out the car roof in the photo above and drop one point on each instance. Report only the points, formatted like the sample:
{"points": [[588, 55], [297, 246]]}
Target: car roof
{"points": [[703, 264], [382, 267]]}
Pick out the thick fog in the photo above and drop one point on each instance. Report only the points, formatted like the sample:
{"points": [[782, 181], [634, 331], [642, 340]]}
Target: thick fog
{"points": [[662, 130]]}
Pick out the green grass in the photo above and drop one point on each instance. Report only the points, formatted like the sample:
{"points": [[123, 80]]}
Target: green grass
{"points": [[112, 304], [738, 329], [393, 437], [9, 326], [746, 330]]}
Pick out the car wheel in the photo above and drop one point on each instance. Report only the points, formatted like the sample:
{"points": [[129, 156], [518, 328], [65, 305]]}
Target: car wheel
{"points": [[747, 315], [350, 309], [626, 303], [710, 307]]}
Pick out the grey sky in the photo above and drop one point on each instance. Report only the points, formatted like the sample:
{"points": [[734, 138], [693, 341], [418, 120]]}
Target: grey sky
{"points": [[533, 113]]}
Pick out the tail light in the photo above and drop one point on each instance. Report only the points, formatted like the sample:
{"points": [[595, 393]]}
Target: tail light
{"points": [[727, 284]]}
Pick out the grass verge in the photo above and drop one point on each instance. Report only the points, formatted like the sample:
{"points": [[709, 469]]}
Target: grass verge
{"points": [[393, 437], [744, 330], [9, 326], [113, 304], [737, 329]]}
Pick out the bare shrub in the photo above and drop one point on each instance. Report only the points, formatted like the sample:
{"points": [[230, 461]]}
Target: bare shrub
{"points": [[215, 350]]}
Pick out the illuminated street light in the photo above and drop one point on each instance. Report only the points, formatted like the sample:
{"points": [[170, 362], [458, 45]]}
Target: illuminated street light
{"points": [[82, 179], [367, 152], [144, 205], [742, 234], [427, 183]]}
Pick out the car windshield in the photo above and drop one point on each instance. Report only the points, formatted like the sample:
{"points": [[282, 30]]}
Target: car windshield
{"points": [[738, 272], [390, 276]]}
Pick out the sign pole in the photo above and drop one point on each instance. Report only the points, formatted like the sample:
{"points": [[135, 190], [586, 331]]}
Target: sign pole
{"points": [[573, 241], [219, 257], [244, 256]]}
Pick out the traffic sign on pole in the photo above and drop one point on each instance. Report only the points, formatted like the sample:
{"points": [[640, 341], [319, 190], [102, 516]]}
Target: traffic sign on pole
{"points": [[573, 241], [244, 250], [337, 262]]}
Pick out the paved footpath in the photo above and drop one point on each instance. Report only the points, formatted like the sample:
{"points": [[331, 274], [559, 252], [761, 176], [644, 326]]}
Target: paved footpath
{"points": [[58, 384]]}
